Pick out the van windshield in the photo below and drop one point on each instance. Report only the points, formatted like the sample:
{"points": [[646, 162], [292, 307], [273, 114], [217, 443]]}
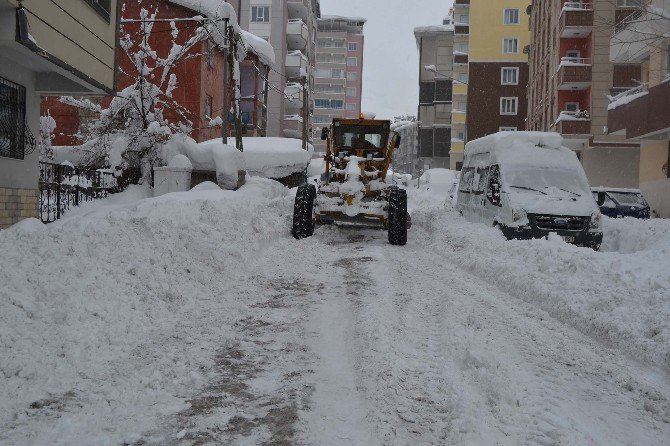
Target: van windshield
{"points": [[543, 180]]}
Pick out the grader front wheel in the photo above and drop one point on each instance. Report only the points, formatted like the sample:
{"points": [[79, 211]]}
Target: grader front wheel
{"points": [[398, 217], [303, 221]]}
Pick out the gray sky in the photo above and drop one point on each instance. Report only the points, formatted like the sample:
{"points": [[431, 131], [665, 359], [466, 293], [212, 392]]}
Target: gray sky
{"points": [[391, 60]]}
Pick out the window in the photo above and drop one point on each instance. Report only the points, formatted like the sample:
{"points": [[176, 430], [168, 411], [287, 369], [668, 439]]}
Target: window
{"points": [[208, 107], [331, 89], [442, 141], [12, 119], [426, 92], [511, 16], [574, 55], [329, 73], [479, 180], [508, 106], [572, 106], [352, 76], [443, 91], [260, 14], [511, 45], [507, 129], [509, 76], [464, 18], [330, 43], [467, 175], [102, 7], [629, 3], [461, 106], [352, 46], [351, 107], [336, 104], [352, 61], [463, 78], [463, 48], [351, 91], [330, 58], [426, 141]]}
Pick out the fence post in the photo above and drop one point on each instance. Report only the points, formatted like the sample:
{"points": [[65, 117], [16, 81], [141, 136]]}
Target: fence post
{"points": [[76, 187], [57, 175]]}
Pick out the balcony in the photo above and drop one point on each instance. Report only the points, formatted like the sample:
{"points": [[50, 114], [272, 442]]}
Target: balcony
{"points": [[296, 64], [293, 126], [297, 9], [461, 4], [574, 73], [641, 112], [461, 29], [460, 88], [460, 58], [573, 123], [576, 20], [294, 96], [297, 34]]}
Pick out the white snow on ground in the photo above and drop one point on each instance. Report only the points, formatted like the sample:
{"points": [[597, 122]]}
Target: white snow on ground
{"points": [[194, 317]]}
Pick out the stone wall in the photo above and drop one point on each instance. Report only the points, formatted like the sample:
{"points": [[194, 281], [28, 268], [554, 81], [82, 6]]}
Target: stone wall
{"points": [[17, 204]]}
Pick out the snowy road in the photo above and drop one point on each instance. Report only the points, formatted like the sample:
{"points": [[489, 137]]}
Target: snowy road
{"points": [[338, 339]]}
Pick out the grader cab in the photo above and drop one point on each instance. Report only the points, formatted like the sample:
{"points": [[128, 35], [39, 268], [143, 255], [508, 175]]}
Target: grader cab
{"points": [[354, 188]]}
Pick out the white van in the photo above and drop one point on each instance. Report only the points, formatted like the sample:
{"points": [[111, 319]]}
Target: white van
{"points": [[528, 185]]}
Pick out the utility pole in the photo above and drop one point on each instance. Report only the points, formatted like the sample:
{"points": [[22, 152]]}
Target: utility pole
{"points": [[305, 111], [226, 109]]}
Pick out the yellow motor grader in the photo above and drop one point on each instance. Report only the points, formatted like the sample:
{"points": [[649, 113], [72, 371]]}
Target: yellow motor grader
{"points": [[354, 188]]}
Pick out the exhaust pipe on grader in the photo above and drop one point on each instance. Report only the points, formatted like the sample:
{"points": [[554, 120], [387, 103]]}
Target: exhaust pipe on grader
{"points": [[354, 188]]}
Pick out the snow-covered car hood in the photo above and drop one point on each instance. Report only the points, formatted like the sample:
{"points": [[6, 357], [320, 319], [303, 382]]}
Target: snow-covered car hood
{"points": [[555, 203]]}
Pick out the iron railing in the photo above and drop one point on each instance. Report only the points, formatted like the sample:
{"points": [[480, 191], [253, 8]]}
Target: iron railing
{"points": [[62, 187]]}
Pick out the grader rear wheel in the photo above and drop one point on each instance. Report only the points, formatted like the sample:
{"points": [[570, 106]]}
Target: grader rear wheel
{"points": [[398, 217], [303, 221]]}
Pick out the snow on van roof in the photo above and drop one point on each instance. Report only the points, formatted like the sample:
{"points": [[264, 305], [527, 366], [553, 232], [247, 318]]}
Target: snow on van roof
{"points": [[524, 148]]}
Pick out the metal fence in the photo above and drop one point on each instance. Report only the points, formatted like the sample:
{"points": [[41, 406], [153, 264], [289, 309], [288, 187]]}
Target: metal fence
{"points": [[63, 186]]}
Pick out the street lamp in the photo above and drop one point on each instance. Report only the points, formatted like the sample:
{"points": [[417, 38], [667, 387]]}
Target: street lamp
{"points": [[433, 69]]}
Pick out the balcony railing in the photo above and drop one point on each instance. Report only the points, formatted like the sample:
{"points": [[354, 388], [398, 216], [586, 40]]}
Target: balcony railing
{"points": [[460, 58], [573, 123], [462, 29], [296, 64], [640, 111], [462, 3], [297, 34], [574, 73], [576, 20]]}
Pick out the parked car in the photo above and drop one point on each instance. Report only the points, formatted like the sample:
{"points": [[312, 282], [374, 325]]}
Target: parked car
{"points": [[617, 203], [529, 185]]}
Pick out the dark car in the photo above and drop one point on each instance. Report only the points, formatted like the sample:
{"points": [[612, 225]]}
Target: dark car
{"points": [[618, 203]]}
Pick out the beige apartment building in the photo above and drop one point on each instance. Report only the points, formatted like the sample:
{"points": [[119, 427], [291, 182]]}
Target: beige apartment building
{"points": [[571, 76], [338, 84], [290, 27], [643, 112], [61, 47], [437, 93]]}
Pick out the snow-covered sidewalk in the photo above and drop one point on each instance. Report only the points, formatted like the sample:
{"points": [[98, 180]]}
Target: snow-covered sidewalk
{"points": [[194, 318]]}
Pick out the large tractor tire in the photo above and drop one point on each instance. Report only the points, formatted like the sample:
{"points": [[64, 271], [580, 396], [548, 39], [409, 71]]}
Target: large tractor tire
{"points": [[303, 221], [398, 216]]}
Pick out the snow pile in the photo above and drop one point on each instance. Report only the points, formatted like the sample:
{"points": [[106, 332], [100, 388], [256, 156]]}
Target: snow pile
{"points": [[275, 157], [212, 155], [97, 310], [621, 297], [180, 162]]}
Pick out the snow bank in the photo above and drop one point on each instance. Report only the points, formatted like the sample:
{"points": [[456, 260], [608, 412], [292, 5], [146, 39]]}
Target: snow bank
{"points": [[621, 297], [95, 309], [212, 155], [274, 157]]}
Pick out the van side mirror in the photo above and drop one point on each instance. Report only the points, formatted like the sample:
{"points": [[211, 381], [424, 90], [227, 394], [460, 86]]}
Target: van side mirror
{"points": [[397, 141], [601, 198], [324, 133]]}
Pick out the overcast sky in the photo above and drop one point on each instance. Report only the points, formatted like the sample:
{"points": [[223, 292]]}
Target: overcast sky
{"points": [[391, 60]]}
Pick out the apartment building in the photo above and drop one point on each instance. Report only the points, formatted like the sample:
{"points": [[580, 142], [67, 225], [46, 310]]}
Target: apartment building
{"points": [[406, 158], [490, 38], [46, 48], [571, 76], [437, 92], [643, 112], [338, 85], [290, 27]]}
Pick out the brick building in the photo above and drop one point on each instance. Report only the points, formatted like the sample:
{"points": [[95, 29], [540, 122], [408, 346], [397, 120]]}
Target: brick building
{"points": [[200, 86], [571, 75]]}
